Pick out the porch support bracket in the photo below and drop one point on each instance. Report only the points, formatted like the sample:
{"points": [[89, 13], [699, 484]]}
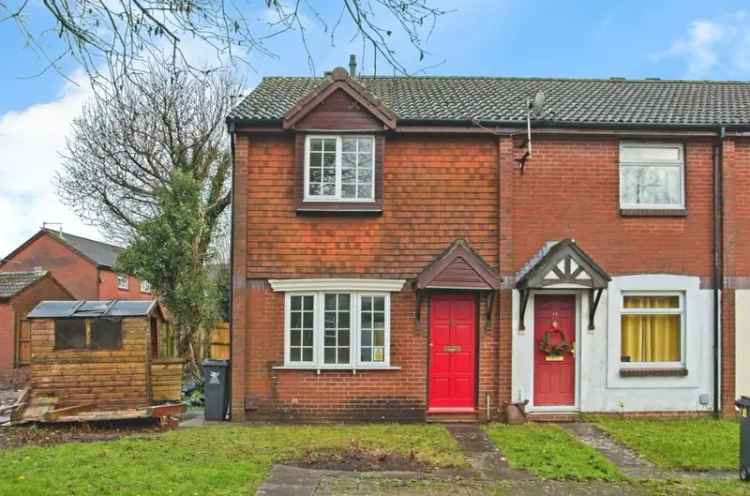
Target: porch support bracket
{"points": [[524, 302], [594, 296]]}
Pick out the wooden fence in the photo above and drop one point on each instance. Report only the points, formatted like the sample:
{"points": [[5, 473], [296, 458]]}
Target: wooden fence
{"points": [[220, 341]]}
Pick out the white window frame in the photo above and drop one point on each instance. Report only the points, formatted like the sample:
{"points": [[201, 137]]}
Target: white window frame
{"points": [[145, 287], [624, 163], [339, 153], [681, 311], [355, 363], [123, 282]]}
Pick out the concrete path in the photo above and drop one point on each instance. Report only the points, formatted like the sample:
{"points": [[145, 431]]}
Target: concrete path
{"points": [[629, 462], [484, 457]]}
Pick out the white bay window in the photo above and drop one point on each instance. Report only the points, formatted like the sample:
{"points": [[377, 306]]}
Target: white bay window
{"points": [[337, 329]]}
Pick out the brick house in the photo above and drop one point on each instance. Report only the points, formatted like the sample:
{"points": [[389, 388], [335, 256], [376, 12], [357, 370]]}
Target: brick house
{"points": [[83, 266], [400, 251], [19, 293]]}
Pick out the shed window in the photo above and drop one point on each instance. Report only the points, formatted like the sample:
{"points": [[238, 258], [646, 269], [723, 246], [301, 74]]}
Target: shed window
{"points": [[340, 168], [652, 176], [70, 334], [106, 334]]}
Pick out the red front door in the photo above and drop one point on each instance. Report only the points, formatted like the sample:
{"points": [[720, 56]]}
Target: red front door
{"points": [[452, 351], [554, 377]]}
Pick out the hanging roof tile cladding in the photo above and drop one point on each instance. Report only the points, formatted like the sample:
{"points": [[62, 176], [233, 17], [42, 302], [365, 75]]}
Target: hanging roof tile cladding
{"points": [[503, 100], [12, 283]]}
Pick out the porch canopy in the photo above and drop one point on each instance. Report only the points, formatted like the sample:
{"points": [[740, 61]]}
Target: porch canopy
{"points": [[562, 265], [458, 268]]}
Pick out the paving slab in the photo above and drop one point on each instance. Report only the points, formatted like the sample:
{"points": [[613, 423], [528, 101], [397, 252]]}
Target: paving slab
{"points": [[630, 463]]}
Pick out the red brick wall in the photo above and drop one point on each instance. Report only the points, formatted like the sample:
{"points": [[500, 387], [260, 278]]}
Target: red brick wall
{"points": [[108, 288], [570, 189], [7, 338], [77, 274], [438, 190]]}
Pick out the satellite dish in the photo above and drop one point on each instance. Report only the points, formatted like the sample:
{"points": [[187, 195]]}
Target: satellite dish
{"points": [[537, 106]]}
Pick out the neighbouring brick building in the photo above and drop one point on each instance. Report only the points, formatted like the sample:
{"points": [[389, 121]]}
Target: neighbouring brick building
{"points": [[83, 266], [19, 293], [401, 251]]}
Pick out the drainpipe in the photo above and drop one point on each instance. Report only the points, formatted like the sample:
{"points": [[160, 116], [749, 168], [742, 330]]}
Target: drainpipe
{"points": [[718, 221], [231, 129]]}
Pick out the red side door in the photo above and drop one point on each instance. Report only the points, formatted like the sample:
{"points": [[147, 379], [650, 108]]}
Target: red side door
{"points": [[554, 378], [452, 352]]}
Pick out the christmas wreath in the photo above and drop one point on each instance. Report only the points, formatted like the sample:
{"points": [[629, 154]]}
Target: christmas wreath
{"points": [[554, 347]]}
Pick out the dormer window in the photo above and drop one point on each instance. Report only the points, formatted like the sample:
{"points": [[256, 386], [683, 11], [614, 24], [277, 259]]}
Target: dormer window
{"points": [[339, 168]]}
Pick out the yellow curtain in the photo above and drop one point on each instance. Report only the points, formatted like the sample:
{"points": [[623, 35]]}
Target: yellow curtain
{"points": [[651, 338]]}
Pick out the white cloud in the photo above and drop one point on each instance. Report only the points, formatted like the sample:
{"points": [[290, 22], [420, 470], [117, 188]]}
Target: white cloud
{"points": [[714, 48], [31, 141]]}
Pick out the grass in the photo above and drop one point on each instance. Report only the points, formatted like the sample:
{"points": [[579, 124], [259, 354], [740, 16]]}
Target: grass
{"points": [[217, 460], [550, 452], [689, 444]]}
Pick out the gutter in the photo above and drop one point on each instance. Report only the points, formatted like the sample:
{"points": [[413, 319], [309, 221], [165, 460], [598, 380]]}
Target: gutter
{"points": [[231, 129], [718, 222]]}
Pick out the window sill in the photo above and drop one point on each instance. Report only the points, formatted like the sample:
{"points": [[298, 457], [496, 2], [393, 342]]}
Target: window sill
{"points": [[635, 372], [653, 212], [337, 369], [334, 207]]}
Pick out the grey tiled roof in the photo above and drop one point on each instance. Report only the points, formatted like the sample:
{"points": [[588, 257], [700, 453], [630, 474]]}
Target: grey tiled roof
{"points": [[102, 254], [503, 100], [13, 282]]}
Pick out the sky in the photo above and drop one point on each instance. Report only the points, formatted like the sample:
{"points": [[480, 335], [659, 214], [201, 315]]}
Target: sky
{"points": [[681, 39]]}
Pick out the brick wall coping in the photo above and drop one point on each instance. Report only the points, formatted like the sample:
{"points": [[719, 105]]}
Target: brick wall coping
{"points": [[388, 285]]}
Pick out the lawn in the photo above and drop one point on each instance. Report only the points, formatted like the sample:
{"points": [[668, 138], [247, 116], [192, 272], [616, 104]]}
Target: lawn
{"points": [[217, 460], [550, 452], [690, 444]]}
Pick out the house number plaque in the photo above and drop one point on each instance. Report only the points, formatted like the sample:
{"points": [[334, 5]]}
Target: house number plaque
{"points": [[453, 348]]}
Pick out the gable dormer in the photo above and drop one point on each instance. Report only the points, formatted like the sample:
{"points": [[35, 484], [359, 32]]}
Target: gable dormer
{"points": [[339, 146]]}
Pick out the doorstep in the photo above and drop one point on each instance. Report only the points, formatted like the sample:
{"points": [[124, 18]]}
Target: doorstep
{"points": [[552, 416], [452, 415]]}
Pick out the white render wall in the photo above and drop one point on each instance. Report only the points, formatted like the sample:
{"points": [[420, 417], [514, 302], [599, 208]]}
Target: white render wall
{"points": [[599, 385], [742, 343]]}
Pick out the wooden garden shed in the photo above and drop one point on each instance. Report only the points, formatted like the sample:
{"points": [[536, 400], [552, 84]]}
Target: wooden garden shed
{"points": [[100, 356]]}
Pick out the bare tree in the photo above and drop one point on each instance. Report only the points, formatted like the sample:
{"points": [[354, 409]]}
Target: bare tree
{"points": [[125, 145], [119, 35]]}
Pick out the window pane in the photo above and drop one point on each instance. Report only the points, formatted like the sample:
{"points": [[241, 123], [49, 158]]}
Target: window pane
{"points": [[301, 322], [316, 144], [329, 144], [329, 190], [379, 320], [650, 154], [348, 175], [315, 189], [365, 144], [366, 303], [379, 337], [644, 185], [651, 338], [651, 302], [364, 191], [349, 190], [378, 354], [106, 334], [349, 144], [379, 303], [366, 355], [316, 160], [70, 334], [366, 338], [337, 342]]}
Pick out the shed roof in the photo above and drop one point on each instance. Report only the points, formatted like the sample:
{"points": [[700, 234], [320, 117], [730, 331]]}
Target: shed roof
{"points": [[605, 102], [12, 283], [93, 308]]}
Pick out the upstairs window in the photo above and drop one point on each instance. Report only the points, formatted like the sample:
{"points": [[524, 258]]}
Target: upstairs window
{"points": [[145, 287], [122, 281], [340, 168], [652, 176]]}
